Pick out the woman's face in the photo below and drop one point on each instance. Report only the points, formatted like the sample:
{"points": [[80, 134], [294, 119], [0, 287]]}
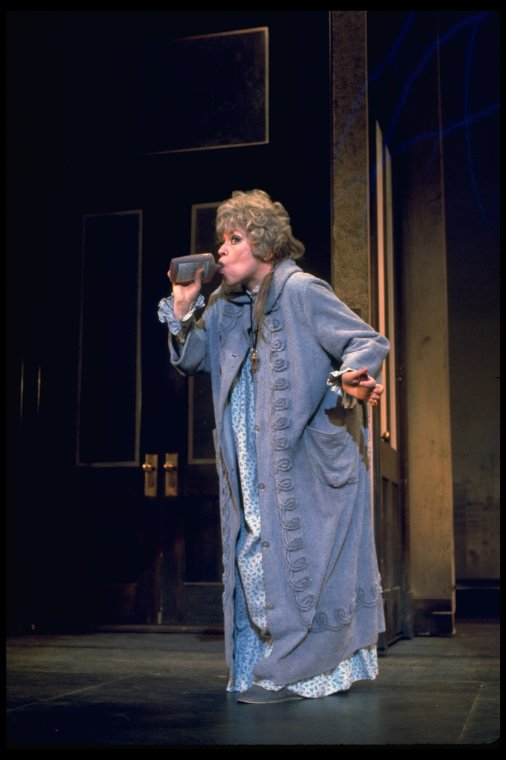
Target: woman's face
{"points": [[238, 265]]}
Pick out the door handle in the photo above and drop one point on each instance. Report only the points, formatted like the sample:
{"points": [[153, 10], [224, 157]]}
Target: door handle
{"points": [[150, 467], [171, 474]]}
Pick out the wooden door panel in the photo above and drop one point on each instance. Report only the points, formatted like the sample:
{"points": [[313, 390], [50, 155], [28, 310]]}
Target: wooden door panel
{"points": [[191, 577], [391, 558], [390, 507]]}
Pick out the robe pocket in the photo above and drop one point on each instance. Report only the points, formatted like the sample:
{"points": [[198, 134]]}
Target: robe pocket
{"points": [[333, 456]]}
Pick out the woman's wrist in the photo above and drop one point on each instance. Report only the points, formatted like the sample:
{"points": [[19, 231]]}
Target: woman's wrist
{"points": [[181, 309]]}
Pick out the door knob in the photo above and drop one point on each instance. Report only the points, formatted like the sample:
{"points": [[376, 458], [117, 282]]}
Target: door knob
{"points": [[150, 467], [171, 474]]}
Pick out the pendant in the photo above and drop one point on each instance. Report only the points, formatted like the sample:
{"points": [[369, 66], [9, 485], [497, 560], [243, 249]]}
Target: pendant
{"points": [[254, 360]]}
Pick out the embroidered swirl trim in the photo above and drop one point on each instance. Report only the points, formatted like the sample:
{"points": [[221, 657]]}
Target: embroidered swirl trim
{"points": [[291, 526]]}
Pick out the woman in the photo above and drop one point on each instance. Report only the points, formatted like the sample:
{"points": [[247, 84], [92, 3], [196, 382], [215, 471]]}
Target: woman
{"points": [[292, 368]]}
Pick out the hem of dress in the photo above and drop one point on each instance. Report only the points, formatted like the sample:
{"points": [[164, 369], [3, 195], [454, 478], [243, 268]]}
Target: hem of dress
{"points": [[327, 692], [234, 690]]}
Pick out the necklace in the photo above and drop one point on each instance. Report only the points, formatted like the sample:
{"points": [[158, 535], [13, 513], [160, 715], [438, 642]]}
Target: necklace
{"points": [[253, 341], [253, 351]]}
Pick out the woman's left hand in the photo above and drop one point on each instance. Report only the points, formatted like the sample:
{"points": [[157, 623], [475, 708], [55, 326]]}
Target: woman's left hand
{"points": [[360, 384]]}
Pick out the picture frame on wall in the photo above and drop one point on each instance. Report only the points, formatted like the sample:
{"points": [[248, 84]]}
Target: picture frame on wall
{"points": [[204, 92]]}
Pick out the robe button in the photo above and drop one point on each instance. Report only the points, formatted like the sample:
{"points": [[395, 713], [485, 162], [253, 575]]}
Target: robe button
{"points": [[266, 544], [261, 486], [270, 606]]}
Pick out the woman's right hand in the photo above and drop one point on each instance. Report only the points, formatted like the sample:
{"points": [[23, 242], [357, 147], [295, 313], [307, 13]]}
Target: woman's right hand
{"points": [[186, 295]]}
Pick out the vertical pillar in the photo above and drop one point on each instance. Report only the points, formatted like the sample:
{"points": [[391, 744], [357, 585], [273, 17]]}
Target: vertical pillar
{"points": [[426, 375], [350, 161]]}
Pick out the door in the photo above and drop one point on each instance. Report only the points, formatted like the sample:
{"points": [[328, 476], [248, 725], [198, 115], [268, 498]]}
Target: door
{"points": [[145, 122], [144, 458], [391, 527]]}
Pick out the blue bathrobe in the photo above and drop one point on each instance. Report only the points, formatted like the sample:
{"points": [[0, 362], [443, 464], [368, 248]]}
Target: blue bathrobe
{"points": [[322, 585]]}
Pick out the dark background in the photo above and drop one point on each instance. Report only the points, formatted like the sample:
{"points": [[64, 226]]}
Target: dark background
{"points": [[73, 105]]}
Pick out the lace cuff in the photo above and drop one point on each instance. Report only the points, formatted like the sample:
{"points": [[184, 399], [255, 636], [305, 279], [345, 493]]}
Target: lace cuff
{"points": [[334, 381], [178, 327]]}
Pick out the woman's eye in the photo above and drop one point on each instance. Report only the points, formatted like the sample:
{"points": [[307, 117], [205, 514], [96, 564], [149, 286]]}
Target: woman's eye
{"points": [[235, 239]]}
